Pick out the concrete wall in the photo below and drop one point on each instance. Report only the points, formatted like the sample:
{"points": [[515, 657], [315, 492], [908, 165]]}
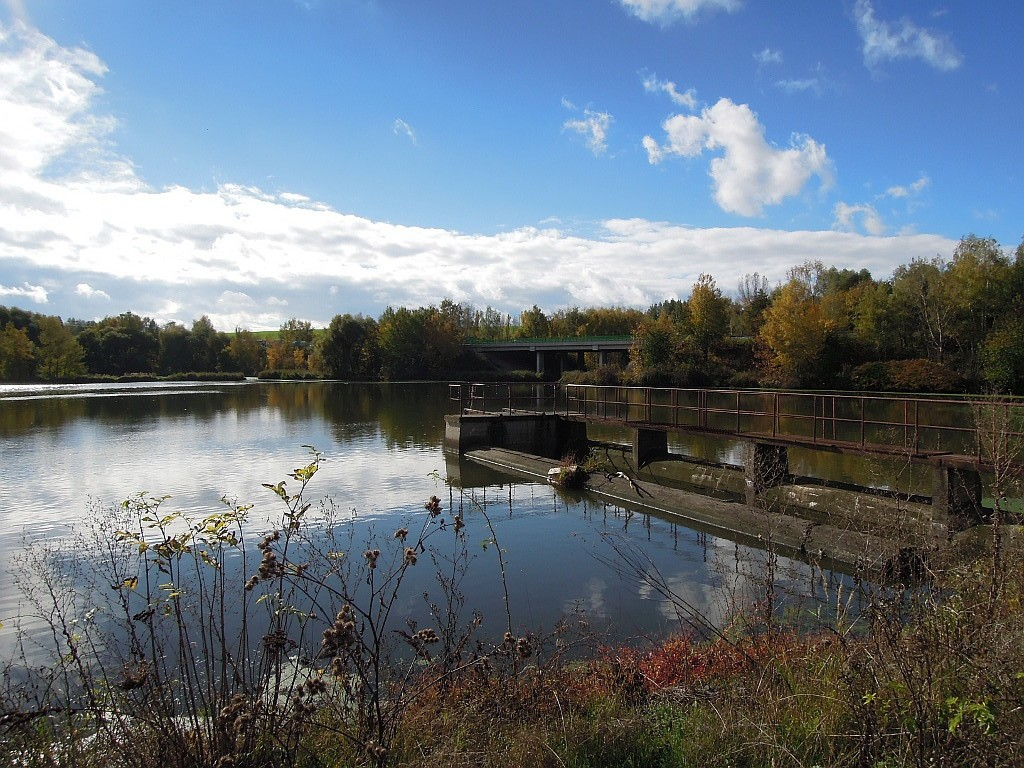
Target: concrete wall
{"points": [[545, 435]]}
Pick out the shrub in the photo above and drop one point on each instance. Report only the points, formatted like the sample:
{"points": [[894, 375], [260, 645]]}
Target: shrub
{"points": [[916, 375]]}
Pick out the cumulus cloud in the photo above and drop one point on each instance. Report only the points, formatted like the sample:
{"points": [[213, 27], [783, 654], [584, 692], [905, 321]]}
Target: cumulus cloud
{"points": [[88, 292], [252, 258], [849, 216], [751, 173], [665, 12], [686, 99], [593, 126], [35, 293], [883, 41], [909, 191]]}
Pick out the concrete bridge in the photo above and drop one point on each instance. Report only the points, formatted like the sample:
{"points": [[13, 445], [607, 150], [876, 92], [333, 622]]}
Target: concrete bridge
{"points": [[956, 439], [544, 354]]}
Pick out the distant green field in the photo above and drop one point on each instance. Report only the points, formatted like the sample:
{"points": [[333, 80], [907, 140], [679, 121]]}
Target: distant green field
{"points": [[272, 335]]}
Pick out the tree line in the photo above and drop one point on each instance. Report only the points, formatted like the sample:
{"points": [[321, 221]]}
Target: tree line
{"points": [[936, 325]]}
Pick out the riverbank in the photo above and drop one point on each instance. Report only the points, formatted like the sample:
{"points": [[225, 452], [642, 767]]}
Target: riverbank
{"points": [[921, 676]]}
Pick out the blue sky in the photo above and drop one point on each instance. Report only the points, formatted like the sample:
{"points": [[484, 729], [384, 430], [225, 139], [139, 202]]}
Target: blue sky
{"points": [[255, 161]]}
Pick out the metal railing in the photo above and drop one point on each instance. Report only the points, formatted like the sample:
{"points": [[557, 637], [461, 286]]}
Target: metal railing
{"points": [[920, 426], [507, 398], [528, 340], [985, 430]]}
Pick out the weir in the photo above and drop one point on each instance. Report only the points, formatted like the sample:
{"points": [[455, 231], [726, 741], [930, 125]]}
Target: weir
{"points": [[944, 436]]}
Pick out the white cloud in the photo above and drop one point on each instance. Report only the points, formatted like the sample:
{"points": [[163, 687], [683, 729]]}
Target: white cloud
{"points": [[402, 128], [883, 41], [88, 292], [665, 12], [252, 258], [35, 293], [798, 86], [768, 56], [817, 84], [914, 189], [593, 126], [751, 173], [848, 216], [653, 85]]}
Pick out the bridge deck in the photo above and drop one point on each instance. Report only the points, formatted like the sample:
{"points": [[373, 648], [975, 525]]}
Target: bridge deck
{"points": [[952, 432]]}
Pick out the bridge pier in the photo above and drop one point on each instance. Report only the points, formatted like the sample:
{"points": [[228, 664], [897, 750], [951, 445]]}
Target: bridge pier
{"points": [[765, 466], [540, 434], [648, 445], [956, 498], [540, 361]]}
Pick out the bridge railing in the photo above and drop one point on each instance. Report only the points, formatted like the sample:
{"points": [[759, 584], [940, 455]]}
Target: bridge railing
{"points": [[528, 340], [531, 397], [984, 429], [916, 425]]}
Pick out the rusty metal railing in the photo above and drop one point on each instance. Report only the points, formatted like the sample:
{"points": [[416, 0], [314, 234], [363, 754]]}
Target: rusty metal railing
{"points": [[919, 426], [507, 398], [985, 429]]}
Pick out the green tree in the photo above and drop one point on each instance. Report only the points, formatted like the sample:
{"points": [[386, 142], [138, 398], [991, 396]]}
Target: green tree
{"points": [[654, 344], [978, 279], [123, 344], [348, 348], [175, 349], [401, 334], [753, 299], [59, 355], [17, 354], [709, 315], [921, 287], [205, 344]]}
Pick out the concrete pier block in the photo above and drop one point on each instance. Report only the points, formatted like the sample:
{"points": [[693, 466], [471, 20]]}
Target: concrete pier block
{"points": [[765, 466], [648, 445], [956, 498]]}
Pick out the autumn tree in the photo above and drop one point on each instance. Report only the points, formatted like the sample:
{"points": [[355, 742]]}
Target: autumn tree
{"points": [[708, 315], [17, 354], [533, 323], [792, 335], [291, 348], [246, 352], [59, 355]]}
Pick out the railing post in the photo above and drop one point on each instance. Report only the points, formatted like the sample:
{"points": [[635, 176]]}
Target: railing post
{"points": [[906, 418], [737, 412], [917, 428], [862, 422], [775, 414]]}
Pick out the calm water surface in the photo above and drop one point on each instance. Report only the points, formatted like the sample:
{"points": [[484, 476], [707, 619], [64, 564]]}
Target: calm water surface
{"points": [[67, 450]]}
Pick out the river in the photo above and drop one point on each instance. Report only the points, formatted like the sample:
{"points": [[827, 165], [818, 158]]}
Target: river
{"points": [[69, 452]]}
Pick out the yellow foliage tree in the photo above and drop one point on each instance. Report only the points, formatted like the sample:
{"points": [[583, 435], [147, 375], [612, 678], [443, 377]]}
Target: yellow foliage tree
{"points": [[792, 335]]}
